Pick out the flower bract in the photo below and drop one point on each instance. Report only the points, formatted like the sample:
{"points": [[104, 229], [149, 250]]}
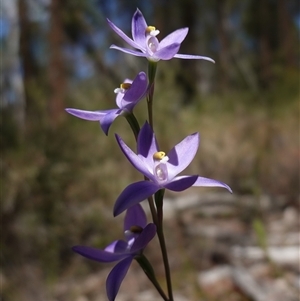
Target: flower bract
{"points": [[137, 235], [146, 44], [128, 95], [162, 170]]}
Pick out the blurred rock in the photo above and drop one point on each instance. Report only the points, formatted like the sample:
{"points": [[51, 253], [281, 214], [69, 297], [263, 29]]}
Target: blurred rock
{"points": [[290, 217], [216, 281], [280, 255], [248, 285]]}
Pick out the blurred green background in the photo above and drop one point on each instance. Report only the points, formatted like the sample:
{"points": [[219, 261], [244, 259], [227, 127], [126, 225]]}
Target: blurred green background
{"points": [[61, 175]]}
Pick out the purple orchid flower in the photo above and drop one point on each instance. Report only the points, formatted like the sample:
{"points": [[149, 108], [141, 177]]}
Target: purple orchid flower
{"points": [[137, 234], [144, 39], [161, 170], [128, 95]]}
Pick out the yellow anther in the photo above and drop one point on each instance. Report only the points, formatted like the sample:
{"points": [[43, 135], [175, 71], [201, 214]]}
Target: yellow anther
{"points": [[149, 29], [159, 155], [125, 86], [136, 229]]}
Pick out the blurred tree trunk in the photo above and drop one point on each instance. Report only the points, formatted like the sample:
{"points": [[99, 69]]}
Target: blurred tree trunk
{"points": [[171, 17], [12, 65], [286, 34], [29, 67], [188, 76], [25, 39], [261, 25], [223, 43], [265, 53], [166, 17], [56, 67]]}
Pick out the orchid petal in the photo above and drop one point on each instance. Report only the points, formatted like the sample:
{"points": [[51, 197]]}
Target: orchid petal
{"points": [[134, 159], [193, 57], [135, 216], [87, 115], [138, 88], [167, 52], [147, 143], [176, 36], [119, 100], [117, 246], [108, 119], [121, 34], [129, 51], [181, 183], [144, 238], [138, 28], [182, 154], [97, 254], [116, 276], [152, 45], [134, 194], [206, 182]]}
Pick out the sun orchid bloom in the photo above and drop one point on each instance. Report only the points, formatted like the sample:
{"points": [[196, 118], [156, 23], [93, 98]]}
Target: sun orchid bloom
{"points": [[128, 96], [137, 235], [159, 168], [147, 45]]}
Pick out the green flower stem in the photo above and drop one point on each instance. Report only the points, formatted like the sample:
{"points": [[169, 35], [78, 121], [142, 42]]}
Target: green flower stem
{"points": [[134, 124], [152, 208], [148, 269], [160, 233], [164, 253], [151, 71], [151, 78], [157, 214], [149, 105], [159, 197], [152, 66]]}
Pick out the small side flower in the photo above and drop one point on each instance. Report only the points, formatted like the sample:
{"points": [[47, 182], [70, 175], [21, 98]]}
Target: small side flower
{"points": [[137, 236], [128, 96]]}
